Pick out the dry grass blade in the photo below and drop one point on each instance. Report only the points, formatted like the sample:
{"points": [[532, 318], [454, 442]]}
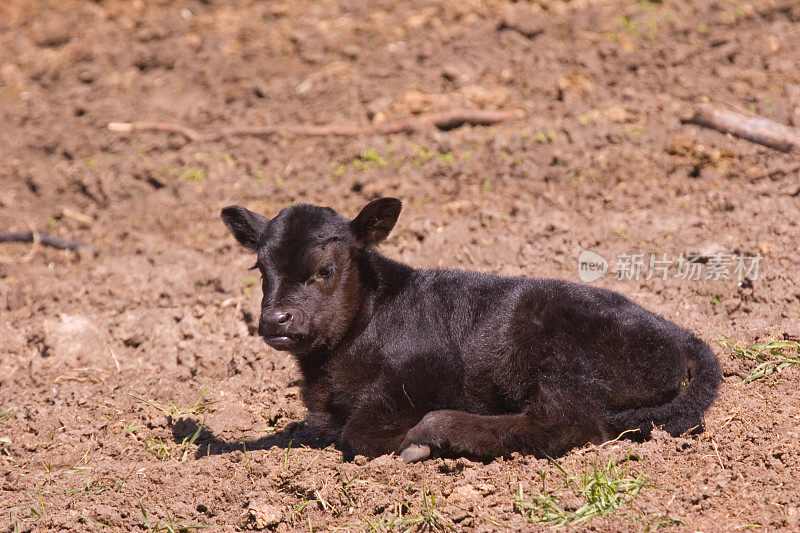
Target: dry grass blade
{"points": [[171, 411], [771, 356], [5, 415]]}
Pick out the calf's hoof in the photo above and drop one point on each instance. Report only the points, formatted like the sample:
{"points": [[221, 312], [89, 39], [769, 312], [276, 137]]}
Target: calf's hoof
{"points": [[416, 452]]}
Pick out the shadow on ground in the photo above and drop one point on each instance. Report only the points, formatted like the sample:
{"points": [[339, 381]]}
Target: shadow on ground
{"points": [[294, 435]]}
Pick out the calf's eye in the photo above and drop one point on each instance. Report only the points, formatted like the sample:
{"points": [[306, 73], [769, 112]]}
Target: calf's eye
{"points": [[325, 272]]}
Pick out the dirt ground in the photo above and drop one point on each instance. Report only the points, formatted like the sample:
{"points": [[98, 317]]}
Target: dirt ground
{"points": [[134, 394]]}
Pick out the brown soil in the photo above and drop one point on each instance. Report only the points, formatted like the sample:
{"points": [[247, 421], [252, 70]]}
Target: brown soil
{"points": [[90, 347]]}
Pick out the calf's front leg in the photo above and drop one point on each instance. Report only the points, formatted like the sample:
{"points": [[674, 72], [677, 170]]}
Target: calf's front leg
{"points": [[374, 430], [489, 436]]}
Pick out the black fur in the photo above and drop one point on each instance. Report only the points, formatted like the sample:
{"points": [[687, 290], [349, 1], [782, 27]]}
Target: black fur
{"points": [[399, 359]]}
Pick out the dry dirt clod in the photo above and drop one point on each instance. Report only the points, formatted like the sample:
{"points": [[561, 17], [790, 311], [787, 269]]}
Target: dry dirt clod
{"points": [[448, 466], [464, 493], [73, 339], [382, 461], [486, 489], [263, 515]]}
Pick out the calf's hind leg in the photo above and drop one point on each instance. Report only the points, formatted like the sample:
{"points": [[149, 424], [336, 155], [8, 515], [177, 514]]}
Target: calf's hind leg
{"points": [[488, 436]]}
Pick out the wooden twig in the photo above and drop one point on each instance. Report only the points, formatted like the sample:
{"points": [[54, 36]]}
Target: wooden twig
{"points": [[750, 127], [445, 120], [46, 240], [125, 127]]}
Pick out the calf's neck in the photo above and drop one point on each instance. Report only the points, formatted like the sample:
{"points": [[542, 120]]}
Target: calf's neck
{"points": [[397, 359]]}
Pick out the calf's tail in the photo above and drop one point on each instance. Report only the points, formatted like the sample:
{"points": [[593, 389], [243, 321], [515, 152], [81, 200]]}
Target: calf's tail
{"points": [[684, 412]]}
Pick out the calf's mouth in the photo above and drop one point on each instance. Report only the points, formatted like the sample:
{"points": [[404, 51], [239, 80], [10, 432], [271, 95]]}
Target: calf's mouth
{"points": [[281, 342]]}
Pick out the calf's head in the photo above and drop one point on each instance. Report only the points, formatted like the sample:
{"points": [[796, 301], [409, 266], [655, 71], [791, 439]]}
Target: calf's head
{"points": [[310, 262]]}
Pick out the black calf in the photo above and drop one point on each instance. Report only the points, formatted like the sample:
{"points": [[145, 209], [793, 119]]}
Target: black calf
{"points": [[399, 359]]}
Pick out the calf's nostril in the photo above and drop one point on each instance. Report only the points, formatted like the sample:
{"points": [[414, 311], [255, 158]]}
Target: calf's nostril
{"points": [[284, 318]]}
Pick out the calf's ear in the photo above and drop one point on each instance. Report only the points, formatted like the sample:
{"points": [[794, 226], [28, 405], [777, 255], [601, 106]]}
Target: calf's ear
{"points": [[245, 225], [376, 220]]}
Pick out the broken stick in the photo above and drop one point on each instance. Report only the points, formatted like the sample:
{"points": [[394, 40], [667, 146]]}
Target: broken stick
{"points": [[756, 129], [445, 120], [46, 240]]}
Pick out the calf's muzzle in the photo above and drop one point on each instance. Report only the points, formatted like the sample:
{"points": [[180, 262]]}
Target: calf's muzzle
{"points": [[280, 322]]}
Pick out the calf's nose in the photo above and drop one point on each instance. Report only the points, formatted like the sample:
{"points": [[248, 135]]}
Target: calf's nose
{"points": [[274, 322]]}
